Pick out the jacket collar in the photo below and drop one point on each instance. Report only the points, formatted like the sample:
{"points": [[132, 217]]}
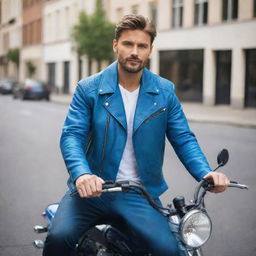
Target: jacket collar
{"points": [[147, 103], [109, 81]]}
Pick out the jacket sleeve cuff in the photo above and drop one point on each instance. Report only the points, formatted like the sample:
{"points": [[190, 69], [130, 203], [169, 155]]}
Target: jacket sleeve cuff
{"points": [[201, 175], [77, 173]]}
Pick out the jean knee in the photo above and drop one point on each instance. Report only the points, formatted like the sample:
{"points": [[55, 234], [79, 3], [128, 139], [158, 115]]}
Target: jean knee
{"points": [[170, 251], [59, 242], [166, 249]]}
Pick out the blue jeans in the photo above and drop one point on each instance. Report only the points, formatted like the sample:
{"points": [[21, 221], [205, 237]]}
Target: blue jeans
{"points": [[130, 211]]}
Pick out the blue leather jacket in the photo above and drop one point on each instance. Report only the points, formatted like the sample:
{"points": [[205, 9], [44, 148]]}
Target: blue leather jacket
{"points": [[95, 130]]}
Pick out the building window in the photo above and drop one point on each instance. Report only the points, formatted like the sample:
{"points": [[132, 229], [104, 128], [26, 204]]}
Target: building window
{"points": [[24, 35], [30, 33], [25, 4], [229, 10], [177, 13], [67, 25], [39, 31], [51, 74], [250, 78], [28, 3], [223, 77], [254, 8], [66, 77], [0, 12], [33, 32], [119, 14], [135, 9], [185, 69], [6, 41], [153, 13], [201, 12], [57, 22]]}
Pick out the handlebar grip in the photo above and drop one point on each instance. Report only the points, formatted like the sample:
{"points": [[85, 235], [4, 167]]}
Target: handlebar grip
{"points": [[110, 190], [109, 184], [237, 185]]}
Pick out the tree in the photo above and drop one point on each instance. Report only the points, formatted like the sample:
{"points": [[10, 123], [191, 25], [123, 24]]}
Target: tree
{"points": [[31, 68], [93, 35], [13, 55]]}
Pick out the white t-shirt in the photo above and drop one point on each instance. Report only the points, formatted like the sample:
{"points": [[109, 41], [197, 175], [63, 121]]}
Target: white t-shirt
{"points": [[128, 169]]}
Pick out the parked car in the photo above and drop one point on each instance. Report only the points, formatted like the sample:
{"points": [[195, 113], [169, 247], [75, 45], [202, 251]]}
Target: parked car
{"points": [[7, 85], [32, 89]]}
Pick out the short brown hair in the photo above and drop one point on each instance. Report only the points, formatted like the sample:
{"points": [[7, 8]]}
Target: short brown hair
{"points": [[133, 22]]}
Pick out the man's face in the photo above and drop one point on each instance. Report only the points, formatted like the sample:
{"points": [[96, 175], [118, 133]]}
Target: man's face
{"points": [[133, 49]]}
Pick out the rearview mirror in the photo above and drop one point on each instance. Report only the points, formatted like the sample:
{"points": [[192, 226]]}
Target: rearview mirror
{"points": [[222, 157]]}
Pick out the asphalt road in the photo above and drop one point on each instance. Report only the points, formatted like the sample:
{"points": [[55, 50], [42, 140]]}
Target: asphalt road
{"points": [[32, 174]]}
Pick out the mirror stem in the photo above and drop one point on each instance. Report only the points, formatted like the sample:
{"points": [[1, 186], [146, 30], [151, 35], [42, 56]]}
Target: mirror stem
{"points": [[217, 167]]}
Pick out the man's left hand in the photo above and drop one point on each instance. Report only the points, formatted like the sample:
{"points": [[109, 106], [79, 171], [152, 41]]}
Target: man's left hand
{"points": [[220, 181]]}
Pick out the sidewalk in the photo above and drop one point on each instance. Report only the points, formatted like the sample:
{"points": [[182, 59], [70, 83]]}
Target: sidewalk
{"points": [[196, 112]]}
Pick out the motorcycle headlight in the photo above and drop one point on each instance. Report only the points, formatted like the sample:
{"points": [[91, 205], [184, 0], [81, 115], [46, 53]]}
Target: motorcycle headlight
{"points": [[195, 228]]}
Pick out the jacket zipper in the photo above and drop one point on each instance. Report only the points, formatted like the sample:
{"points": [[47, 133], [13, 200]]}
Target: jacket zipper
{"points": [[154, 114], [88, 144], [104, 144]]}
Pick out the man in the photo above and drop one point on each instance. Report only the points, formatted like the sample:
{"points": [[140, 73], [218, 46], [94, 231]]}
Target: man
{"points": [[115, 130]]}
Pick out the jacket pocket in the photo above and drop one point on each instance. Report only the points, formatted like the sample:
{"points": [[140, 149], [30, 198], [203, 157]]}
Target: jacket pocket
{"points": [[104, 144], [158, 112]]}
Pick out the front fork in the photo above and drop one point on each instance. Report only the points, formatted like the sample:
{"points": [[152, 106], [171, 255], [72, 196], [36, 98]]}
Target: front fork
{"points": [[195, 252]]}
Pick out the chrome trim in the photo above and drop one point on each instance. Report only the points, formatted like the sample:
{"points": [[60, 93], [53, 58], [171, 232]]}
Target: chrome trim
{"points": [[101, 227], [175, 219], [40, 229], [39, 244], [199, 252], [119, 189]]}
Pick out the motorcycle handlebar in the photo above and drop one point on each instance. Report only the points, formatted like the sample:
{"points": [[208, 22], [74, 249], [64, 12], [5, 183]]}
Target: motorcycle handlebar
{"points": [[207, 185], [124, 186], [234, 184]]}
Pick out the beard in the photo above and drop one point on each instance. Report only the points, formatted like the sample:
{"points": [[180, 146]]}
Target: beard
{"points": [[131, 64]]}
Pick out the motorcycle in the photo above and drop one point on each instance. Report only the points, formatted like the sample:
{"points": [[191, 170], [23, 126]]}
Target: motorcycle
{"points": [[190, 222]]}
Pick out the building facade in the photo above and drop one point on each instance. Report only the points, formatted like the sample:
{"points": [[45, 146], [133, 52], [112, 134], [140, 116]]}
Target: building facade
{"points": [[206, 47], [59, 55], [62, 68], [10, 35], [31, 62]]}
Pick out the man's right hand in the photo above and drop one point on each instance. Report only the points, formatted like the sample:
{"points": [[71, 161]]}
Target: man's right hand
{"points": [[89, 185]]}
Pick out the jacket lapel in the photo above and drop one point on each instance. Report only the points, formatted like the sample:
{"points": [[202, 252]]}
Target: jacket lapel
{"points": [[113, 102], [114, 105], [147, 103]]}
